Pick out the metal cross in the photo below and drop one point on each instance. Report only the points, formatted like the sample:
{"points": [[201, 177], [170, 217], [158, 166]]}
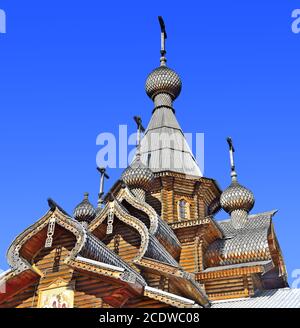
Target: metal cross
{"points": [[163, 35], [103, 175], [140, 129], [231, 154]]}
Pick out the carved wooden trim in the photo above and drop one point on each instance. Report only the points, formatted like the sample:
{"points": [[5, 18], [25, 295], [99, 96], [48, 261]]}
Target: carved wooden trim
{"points": [[20, 264], [125, 194], [170, 299], [128, 219]]}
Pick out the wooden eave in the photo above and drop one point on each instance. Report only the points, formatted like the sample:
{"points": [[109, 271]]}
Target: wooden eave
{"points": [[106, 273], [184, 281], [15, 282], [170, 299], [233, 271], [157, 267]]}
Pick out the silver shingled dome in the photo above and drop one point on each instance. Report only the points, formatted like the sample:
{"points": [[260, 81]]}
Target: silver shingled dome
{"points": [[237, 197], [163, 80], [84, 211], [138, 175]]}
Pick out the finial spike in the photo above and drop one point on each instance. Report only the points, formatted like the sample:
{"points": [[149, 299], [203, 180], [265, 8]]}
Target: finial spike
{"points": [[103, 175], [232, 164], [163, 35]]}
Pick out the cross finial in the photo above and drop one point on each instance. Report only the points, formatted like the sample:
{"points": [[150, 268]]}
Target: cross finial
{"points": [[163, 35], [103, 175], [140, 129], [231, 154]]}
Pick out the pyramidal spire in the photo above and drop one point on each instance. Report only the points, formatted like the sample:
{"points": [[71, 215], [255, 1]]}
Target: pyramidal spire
{"points": [[164, 147]]}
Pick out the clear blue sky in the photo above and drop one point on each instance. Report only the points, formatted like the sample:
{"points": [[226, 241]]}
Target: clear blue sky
{"points": [[71, 70]]}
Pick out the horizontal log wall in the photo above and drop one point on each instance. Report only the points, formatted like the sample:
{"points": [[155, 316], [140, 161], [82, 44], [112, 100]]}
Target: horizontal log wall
{"points": [[50, 262], [124, 241], [24, 299], [230, 287], [89, 291]]}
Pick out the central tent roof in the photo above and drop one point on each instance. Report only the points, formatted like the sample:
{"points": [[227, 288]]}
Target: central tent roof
{"points": [[164, 146]]}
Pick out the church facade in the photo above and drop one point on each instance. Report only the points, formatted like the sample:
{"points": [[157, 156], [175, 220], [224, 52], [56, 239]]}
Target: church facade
{"points": [[153, 240]]}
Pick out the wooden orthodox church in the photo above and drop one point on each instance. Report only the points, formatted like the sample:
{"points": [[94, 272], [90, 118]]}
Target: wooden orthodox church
{"points": [[153, 240]]}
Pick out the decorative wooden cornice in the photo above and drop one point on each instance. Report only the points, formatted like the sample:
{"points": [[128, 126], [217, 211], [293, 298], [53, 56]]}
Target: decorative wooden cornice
{"points": [[189, 223], [185, 281], [107, 271], [163, 268], [228, 296], [197, 222], [238, 270], [123, 276]]}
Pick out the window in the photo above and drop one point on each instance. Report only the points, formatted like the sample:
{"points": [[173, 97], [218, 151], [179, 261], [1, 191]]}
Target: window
{"points": [[148, 160], [183, 209]]}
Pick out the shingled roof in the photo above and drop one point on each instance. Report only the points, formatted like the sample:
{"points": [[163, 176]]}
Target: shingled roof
{"points": [[274, 298], [247, 244], [164, 146]]}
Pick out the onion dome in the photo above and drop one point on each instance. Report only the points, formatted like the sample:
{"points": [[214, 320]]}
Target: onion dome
{"points": [[163, 80], [237, 197], [84, 211], [138, 175]]}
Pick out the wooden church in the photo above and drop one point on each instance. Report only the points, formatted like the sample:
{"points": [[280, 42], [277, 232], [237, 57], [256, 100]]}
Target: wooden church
{"points": [[152, 241]]}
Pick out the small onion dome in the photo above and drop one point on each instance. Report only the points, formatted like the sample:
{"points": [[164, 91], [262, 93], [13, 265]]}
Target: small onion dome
{"points": [[84, 211], [137, 175], [163, 80], [237, 197]]}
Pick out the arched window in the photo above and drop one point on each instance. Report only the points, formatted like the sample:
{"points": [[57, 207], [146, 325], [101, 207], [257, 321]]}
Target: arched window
{"points": [[183, 209]]}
